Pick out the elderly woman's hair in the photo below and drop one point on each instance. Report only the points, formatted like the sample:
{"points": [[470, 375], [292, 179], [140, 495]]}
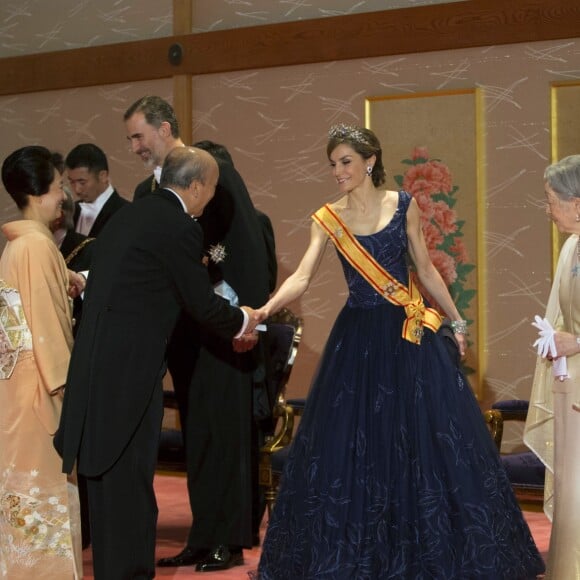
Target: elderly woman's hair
{"points": [[182, 166], [364, 142], [29, 171], [563, 177]]}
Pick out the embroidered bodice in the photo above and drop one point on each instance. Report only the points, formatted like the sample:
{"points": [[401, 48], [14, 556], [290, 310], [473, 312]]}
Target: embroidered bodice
{"points": [[389, 247]]}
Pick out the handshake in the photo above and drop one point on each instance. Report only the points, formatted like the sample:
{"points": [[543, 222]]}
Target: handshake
{"points": [[249, 339]]}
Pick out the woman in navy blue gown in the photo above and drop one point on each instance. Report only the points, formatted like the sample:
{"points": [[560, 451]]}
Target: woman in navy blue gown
{"points": [[392, 473]]}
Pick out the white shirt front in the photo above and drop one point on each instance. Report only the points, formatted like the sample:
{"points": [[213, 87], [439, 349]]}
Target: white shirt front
{"points": [[157, 174], [90, 211]]}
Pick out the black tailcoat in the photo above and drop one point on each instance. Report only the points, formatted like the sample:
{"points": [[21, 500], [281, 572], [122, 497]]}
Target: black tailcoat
{"points": [[219, 411], [146, 268]]}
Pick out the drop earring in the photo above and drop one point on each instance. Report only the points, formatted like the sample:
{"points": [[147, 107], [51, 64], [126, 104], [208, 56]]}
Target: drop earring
{"points": [[369, 170]]}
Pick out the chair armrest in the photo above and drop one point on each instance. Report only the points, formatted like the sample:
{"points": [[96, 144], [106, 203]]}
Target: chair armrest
{"points": [[494, 420], [298, 405], [279, 440], [513, 409], [282, 436], [169, 399]]}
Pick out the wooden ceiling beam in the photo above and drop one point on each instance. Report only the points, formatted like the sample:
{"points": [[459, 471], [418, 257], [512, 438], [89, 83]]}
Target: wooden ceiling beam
{"points": [[403, 31]]}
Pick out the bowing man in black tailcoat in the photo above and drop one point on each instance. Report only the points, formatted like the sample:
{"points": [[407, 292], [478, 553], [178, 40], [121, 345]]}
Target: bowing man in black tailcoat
{"points": [[218, 407], [146, 268]]}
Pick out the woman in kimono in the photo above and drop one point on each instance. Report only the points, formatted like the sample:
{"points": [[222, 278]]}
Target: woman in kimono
{"points": [[39, 509], [553, 425]]}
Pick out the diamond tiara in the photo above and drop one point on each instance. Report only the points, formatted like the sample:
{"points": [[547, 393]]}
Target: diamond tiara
{"points": [[350, 132]]}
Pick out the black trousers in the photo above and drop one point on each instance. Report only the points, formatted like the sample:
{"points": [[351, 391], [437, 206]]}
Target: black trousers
{"points": [[123, 508], [218, 451]]}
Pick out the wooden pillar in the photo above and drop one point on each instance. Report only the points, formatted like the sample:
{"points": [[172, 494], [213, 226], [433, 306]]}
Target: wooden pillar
{"points": [[182, 90]]}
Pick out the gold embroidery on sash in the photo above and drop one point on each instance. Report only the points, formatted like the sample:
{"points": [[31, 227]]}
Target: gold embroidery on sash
{"points": [[418, 315]]}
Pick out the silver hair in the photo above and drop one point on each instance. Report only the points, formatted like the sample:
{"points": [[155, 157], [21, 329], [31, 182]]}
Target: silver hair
{"points": [[563, 177], [182, 166]]}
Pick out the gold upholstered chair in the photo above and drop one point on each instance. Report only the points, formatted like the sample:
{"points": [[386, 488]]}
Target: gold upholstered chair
{"points": [[525, 471], [284, 335], [281, 341]]}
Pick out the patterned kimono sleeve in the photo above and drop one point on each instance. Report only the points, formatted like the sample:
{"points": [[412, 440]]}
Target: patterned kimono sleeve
{"points": [[43, 281]]}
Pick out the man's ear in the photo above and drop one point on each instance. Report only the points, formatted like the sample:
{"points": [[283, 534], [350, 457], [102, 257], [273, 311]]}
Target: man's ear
{"points": [[195, 188], [103, 176], [165, 129]]}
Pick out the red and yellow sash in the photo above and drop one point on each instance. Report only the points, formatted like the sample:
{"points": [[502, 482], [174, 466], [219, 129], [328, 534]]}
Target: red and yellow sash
{"points": [[418, 315]]}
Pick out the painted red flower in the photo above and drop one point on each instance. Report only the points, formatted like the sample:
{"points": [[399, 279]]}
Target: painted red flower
{"points": [[430, 183]]}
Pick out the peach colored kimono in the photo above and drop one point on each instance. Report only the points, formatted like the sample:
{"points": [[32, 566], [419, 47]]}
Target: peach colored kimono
{"points": [[39, 508]]}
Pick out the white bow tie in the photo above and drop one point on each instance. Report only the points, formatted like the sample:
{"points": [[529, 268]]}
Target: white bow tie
{"points": [[89, 209], [157, 173]]}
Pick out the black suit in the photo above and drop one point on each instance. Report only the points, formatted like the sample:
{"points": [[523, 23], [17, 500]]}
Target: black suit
{"points": [[77, 250], [145, 188], [112, 205], [219, 407], [270, 241], [146, 268]]}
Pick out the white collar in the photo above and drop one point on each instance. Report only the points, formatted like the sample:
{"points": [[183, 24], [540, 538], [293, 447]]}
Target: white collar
{"points": [[97, 205]]}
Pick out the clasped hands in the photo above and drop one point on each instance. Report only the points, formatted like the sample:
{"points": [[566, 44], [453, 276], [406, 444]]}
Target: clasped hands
{"points": [[76, 284], [249, 339]]}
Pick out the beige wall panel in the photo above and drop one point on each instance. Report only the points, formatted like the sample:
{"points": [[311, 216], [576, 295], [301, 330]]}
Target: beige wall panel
{"points": [[275, 123]]}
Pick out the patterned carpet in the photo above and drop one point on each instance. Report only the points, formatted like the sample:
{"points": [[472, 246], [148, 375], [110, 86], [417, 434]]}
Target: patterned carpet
{"points": [[174, 521]]}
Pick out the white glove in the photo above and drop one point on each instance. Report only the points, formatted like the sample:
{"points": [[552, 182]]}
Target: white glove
{"points": [[545, 343], [547, 346]]}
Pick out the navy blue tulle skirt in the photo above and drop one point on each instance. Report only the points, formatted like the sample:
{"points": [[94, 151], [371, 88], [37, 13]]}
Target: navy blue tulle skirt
{"points": [[393, 472]]}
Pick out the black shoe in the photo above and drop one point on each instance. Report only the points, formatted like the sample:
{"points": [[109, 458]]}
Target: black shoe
{"points": [[187, 557], [221, 558]]}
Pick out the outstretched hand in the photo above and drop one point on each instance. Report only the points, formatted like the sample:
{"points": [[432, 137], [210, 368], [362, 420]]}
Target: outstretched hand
{"points": [[76, 284], [254, 318]]}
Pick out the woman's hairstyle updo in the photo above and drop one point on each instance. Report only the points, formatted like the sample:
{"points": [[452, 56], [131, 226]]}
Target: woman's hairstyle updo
{"points": [[29, 171], [563, 177], [364, 142]]}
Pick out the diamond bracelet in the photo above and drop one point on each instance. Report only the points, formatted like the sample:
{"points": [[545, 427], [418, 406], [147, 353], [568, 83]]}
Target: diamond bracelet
{"points": [[459, 326]]}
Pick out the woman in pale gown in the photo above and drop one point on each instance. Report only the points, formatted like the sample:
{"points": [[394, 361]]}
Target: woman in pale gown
{"points": [[553, 425], [39, 510]]}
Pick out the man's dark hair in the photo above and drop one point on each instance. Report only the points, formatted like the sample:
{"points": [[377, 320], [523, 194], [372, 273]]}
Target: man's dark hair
{"points": [[216, 150], [87, 155], [156, 111]]}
